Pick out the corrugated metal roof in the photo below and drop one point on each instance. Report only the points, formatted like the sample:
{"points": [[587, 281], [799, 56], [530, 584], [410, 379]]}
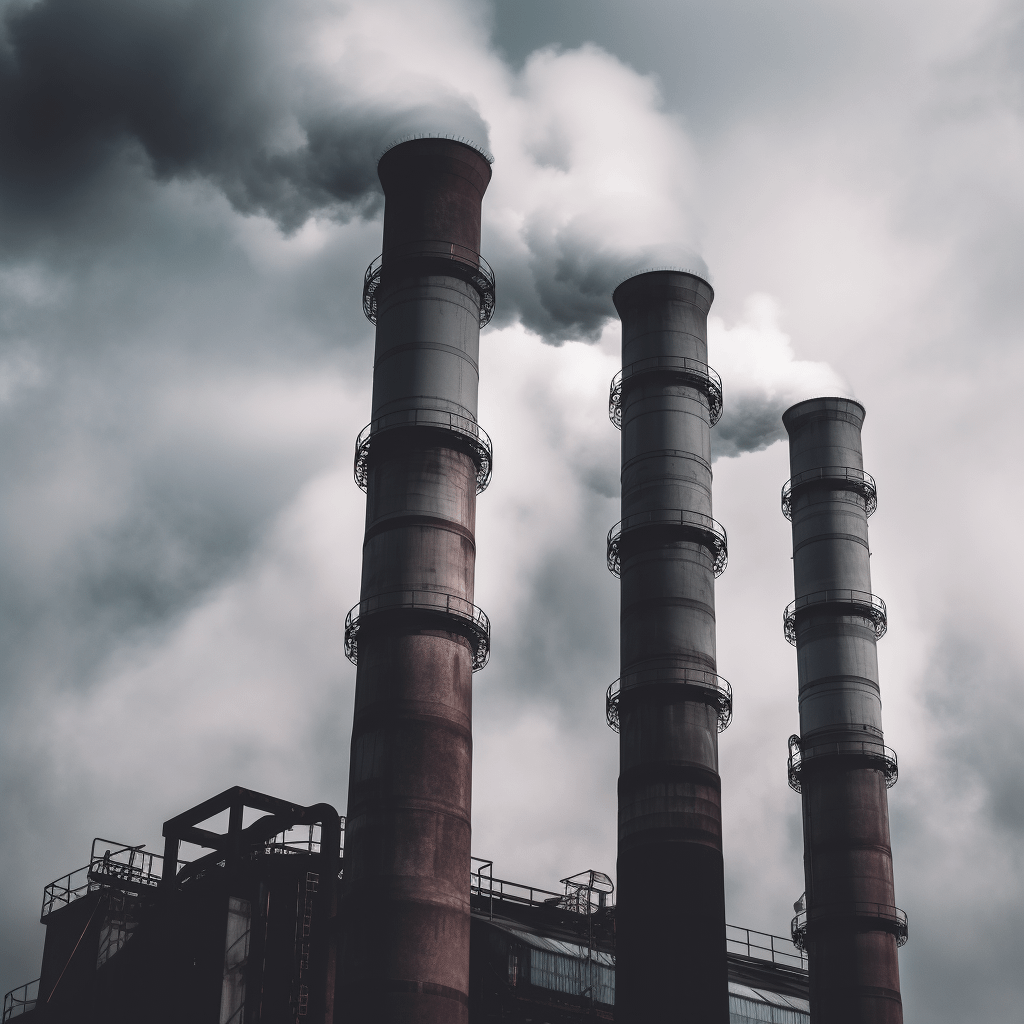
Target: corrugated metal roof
{"points": [[747, 993], [761, 995], [557, 945]]}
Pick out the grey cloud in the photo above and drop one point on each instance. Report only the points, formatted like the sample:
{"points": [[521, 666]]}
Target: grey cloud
{"points": [[749, 423], [207, 90], [201, 90], [985, 749], [573, 280], [561, 288]]}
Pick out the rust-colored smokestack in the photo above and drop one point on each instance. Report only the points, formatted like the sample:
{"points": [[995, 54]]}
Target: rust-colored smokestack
{"points": [[669, 703], [416, 635], [850, 925]]}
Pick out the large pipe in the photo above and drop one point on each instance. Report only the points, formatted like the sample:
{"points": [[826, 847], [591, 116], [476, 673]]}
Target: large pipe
{"points": [[850, 925], [670, 703], [416, 635]]}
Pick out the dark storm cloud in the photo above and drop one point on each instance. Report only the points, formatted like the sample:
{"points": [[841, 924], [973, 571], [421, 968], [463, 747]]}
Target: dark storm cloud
{"points": [[562, 288], [201, 89], [572, 286], [749, 425]]}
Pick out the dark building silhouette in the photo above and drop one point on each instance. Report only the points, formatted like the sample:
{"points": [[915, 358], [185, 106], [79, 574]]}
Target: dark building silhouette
{"points": [[850, 924], [247, 934], [243, 933]]}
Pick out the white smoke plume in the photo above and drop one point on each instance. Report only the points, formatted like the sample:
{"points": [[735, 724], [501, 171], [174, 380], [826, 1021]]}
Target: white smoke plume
{"points": [[761, 378]]}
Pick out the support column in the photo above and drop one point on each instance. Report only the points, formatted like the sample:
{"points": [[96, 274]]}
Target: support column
{"points": [[850, 925], [416, 635], [669, 703]]}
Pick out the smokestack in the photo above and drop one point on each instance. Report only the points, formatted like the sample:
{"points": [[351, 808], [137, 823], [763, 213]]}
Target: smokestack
{"points": [[416, 635], [669, 703], [850, 925]]}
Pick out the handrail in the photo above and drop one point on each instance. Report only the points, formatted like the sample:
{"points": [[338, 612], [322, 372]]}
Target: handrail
{"points": [[287, 843], [857, 602], [891, 918], [695, 372], [118, 867], [20, 1000], [448, 258], [705, 684], [844, 477], [739, 941], [777, 949], [874, 752], [708, 531], [472, 619], [468, 430], [516, 892]]}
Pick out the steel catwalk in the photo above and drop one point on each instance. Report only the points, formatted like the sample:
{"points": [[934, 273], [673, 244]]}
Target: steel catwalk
{"points": [[416, 635], [850, 924], [670, 703]]}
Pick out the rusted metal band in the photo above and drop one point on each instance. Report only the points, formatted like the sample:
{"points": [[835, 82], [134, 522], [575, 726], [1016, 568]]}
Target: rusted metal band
{"points": [[406, 521]]}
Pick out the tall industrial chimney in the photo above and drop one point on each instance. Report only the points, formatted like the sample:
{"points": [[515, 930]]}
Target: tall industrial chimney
{"points": [[849, 925], [416, 635], [669, 704]]}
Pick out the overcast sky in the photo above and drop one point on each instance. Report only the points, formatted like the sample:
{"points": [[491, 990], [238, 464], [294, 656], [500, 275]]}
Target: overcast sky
{"points": [[188, 200]]}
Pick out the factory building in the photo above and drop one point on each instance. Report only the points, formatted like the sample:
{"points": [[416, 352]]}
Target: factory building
{"points": [[248, 933], [296, 914]]}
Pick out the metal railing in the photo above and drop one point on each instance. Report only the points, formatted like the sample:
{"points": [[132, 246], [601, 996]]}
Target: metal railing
{"points": [[466, 617], [302, 839], [20, 1000], [847, 602], [870, 753], [682, 370], [468, 432], [840, 478], [513, 892], [696, 684], [695, 525], [433, 256], [885, 918], [763, 946], [128, 868], [739, 941]]}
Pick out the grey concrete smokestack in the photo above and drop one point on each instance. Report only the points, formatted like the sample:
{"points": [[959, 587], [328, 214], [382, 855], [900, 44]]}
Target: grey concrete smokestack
{"points": [[850, 926], [416, 635], [669, 703]]}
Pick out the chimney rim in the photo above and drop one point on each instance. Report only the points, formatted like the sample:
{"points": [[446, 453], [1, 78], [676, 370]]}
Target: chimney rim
{"points": [[824, 406], [668, 268], [703, 278], [441, 136]]}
